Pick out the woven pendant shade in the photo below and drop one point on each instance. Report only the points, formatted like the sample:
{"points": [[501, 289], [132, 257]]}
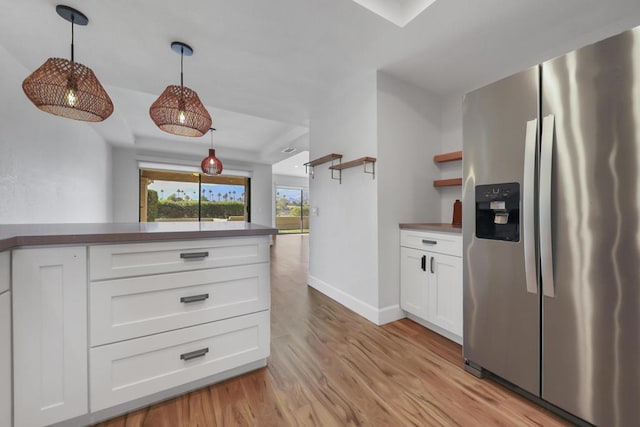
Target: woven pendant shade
{"points": [[68, 89], [179, 111], [211, 165]]}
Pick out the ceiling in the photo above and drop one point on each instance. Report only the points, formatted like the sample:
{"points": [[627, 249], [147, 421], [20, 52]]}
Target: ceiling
{"points": [[293, 166], [261, 67], [400, 12]]}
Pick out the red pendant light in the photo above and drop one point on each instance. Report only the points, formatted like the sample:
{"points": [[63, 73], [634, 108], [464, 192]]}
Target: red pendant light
{"points": [[211, 165]]}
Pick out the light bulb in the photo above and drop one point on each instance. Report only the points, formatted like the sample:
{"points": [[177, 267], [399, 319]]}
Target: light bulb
{"points": [[182, 117], [70, 97]]}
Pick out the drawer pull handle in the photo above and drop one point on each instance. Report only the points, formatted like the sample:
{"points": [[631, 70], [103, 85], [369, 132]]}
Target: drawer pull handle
{"points": [[194, 354], [429, 242], [194, 298], [194, 255]]}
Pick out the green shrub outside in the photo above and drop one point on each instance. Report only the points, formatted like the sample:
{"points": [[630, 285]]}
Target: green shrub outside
{"points": [[189, 209], [295, 211], [152, 205]]}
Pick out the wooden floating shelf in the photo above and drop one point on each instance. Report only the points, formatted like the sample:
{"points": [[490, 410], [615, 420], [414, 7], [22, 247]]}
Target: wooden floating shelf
{"points": [[310, 166], [448, 157], [324, 159], [362, 161], [354, 163], [447, 182]]}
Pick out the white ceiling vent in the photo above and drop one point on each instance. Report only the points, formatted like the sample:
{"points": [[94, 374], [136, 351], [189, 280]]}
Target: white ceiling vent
{"points": [[399, 12], [289, 150]]}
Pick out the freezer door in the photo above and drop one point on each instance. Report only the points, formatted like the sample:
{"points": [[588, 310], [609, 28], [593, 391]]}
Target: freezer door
{"points": [[591, 307], [501, 309]]}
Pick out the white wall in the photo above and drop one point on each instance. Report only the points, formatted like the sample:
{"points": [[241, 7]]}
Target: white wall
{"points": [[261, 195], [126, 182], [290, 181], [52, 169], [343, 241], [451, 141], [409, 120], [354, 241], [125, 185]]}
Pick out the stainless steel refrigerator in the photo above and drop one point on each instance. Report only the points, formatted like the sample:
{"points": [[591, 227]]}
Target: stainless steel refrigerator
{"points": [[551, 231]]}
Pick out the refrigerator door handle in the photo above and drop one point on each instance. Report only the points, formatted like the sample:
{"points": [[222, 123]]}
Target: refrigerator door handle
{"points": [[528, 207], [546, 248]]}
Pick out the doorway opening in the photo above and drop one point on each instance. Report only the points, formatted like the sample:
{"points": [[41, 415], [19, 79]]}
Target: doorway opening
{"points": [[292, 210]]}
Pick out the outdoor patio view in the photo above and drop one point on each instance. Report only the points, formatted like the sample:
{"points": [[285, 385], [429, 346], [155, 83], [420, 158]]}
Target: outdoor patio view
{"points": [[292, 210], [179, 196]]}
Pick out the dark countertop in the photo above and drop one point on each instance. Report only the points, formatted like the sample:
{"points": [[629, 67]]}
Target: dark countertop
{"points": [[443, 228], [14, 235]]}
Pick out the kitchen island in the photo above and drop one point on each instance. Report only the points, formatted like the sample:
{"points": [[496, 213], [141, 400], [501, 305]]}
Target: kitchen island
{"points": [[107, 318]]}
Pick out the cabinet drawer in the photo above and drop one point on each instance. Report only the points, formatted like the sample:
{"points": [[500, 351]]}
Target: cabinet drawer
{"points": [[138, 259], [444, 243], [5, 271], [138, 306], [132, 369]]}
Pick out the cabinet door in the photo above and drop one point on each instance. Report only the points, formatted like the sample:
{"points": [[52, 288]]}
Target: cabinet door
{"points": [[413, 282], [5, 270], [50, 335], [5, 359], [445, 292]]}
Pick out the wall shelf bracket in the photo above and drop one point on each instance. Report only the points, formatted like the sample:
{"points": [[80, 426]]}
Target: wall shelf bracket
{"points": [[333, 171], [309, 167], [361, 161]]}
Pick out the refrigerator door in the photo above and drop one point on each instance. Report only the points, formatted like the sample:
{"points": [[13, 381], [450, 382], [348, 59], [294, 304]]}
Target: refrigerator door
{"points": [[501, 308], [591, 307]]}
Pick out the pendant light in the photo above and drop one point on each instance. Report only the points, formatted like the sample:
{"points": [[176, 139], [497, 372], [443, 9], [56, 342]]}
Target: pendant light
{"points": [[67, 88], [178, 110], [211, 165]]}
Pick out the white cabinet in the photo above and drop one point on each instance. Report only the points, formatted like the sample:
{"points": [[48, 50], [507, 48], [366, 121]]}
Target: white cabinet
{"points": [[414, 282], [133, 369], [431, 280], [166, 314], [137, 306], [151, 320], [5, 359], [445, 293], [140, 259], [49, 288], [5, 271]]}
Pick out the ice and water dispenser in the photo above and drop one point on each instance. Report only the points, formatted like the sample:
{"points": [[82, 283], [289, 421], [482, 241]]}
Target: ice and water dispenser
{"points": [[498, 211]]}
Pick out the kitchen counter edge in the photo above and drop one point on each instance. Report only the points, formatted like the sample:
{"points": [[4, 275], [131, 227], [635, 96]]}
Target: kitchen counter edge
{"points": [[439, 227], [18, 235]]}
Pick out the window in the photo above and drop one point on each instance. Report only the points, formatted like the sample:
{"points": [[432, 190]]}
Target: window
{"points": [[183, 196], [292, 210]]}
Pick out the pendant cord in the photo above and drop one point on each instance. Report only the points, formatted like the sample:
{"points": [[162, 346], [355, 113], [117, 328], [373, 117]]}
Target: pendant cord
{"points": [[181, 65], [73, 19]]}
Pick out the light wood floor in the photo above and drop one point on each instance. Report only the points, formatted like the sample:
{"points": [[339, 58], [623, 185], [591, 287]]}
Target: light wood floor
{"points": [[330, 367]]}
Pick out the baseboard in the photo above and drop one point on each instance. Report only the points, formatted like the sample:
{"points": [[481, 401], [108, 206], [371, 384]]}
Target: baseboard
{"points": [[390, 314], [437, 329], [379, 316]]}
